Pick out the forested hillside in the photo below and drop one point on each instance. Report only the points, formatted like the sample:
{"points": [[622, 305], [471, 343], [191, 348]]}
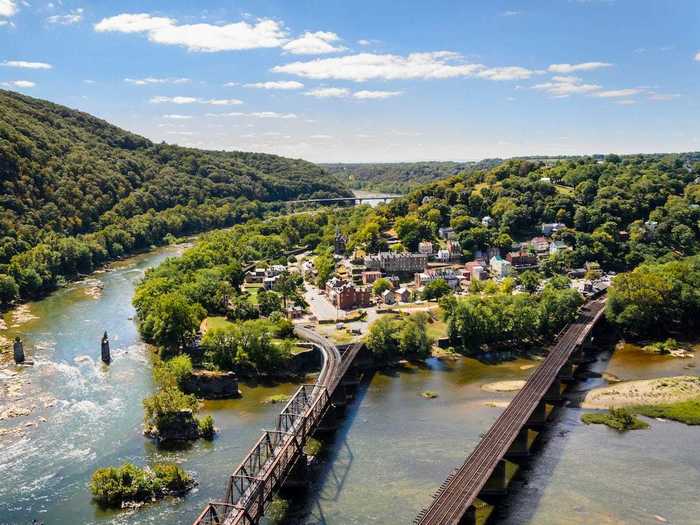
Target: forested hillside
{"points": [[400, 177], [77, 191], [618, 211]]}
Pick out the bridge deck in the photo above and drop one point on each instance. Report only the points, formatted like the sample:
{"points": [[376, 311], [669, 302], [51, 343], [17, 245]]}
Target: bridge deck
{"points": [[272, 458], [462, 487]]}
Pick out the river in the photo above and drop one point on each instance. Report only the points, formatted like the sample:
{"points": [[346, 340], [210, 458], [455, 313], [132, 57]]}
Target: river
{"points": [[391, 453]]}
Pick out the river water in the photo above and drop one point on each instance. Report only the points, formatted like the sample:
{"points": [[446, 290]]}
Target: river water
{"points": [[391, 453]]}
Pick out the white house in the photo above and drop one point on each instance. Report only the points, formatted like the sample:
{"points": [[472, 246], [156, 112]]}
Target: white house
{"points": [[488, 221], [500, 267], [550, 228], [425, 247], [443, 256]]}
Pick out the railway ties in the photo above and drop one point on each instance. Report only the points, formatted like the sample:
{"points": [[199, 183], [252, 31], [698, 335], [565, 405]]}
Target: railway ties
{"points": [[484, 471]]}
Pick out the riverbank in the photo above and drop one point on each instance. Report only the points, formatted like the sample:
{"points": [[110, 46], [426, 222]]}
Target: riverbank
{"points": [[644, 392]]}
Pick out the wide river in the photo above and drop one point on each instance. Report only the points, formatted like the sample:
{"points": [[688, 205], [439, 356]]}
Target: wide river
{"points": [[72, 415]]}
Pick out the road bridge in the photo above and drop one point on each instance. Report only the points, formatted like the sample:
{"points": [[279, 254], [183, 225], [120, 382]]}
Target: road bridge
{"points": [[334, 200], [484, 473], [277, 453]]}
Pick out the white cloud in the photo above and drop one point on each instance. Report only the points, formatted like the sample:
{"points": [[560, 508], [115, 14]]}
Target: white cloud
{"points": [[329, 92], [663, 96], [19, 84], [177, 117], [506, 73], [697, 56], [284, 84], [563, 86], [625, 102], [318, 43], [89, 81], [194, 100], [26, 65], [367, 66], [273, 114], [7, 8], [258, 114], [173, 100], [570, 68], [375, 94], [321, 137], [198, 37], [618, 93], [511, 13], [153, 80], [364, 42], [73, 17], [3, 23]]}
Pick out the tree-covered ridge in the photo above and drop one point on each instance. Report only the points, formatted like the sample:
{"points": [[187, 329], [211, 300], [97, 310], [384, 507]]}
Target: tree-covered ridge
{"points": [[78, 192], [400, 177], [618, 211], [67, 172]]}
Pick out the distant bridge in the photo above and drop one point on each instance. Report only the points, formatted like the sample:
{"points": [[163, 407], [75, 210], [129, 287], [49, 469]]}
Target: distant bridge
{"points": [[353, 200], [484, 473], [278, 453]]}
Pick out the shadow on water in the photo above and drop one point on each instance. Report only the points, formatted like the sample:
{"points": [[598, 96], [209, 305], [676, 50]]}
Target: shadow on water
{"points": [[331, 474]]}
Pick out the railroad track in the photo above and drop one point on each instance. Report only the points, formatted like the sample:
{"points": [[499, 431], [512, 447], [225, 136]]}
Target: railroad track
{"points": [[461, 488], [267, 465]]}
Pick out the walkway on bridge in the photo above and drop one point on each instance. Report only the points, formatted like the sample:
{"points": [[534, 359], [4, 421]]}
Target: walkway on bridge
{"points": [[264, 470], [453, 503]]}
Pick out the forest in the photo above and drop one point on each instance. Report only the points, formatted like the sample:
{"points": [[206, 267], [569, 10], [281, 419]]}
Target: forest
{"points": [[77, 192]]}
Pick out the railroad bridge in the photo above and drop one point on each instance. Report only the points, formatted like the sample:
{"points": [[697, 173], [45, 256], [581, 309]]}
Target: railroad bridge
{"points": [[486, 473], [279, 454]]}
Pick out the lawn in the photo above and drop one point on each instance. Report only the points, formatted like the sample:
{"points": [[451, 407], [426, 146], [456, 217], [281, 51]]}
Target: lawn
{"points": [[211, 323]]}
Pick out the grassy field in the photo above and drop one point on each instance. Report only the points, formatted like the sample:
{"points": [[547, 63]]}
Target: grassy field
{"points": [[211, 323]]}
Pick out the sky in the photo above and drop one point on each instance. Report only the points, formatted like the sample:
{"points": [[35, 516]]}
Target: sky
{"points": [[370, 81]]}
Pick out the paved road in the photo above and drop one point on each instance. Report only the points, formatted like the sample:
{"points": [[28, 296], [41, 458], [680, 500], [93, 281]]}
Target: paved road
{"points": [[319, 305]]}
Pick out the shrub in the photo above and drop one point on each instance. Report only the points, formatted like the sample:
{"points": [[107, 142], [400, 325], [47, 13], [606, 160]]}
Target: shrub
{"points": [[206, 427], [277, 511], [618, 418], [313, 447]]}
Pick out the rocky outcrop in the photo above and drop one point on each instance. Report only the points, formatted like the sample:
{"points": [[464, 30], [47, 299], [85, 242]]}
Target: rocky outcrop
{"points": [[206, 384]]}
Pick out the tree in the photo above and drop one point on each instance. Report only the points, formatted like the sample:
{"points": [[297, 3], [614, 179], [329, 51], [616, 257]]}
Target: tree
{"points": [[8, 289], [173, 321], [380, 339], [436, 289], [325, 268], [288, 286], [530, 280], [269, 302], [381, 285], [413, 340]]}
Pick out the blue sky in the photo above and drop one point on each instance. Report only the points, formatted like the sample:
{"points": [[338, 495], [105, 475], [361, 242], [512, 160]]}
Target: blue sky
{"points": [[362, 81]]}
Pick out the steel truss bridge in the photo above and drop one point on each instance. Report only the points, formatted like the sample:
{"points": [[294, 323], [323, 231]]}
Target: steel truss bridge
{"points": [[268, 464], [484, 470]]}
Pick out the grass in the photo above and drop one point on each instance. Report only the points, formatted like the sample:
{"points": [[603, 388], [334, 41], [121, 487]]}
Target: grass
{"points": [[687, 412], [214, 322], [429, 394], [564, 190], [313, 447], [619, 419]]}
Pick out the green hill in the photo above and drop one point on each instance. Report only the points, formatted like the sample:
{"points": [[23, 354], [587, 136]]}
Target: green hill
{"points": [[77, 191]]}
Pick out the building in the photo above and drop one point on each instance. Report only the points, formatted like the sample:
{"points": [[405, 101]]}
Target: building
{"points": [[269, 282], [369, 276], [388, 297], [476, 270], [540, 245], [522, 260], [340, 242], [455, 250], [553, 227], [397, 262], [346, 296], [428, 276], [255, 276], [556, 247], [403, 295], [488, 221], [425, 247], [446, 233], [443, 256], [500, 267]]}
